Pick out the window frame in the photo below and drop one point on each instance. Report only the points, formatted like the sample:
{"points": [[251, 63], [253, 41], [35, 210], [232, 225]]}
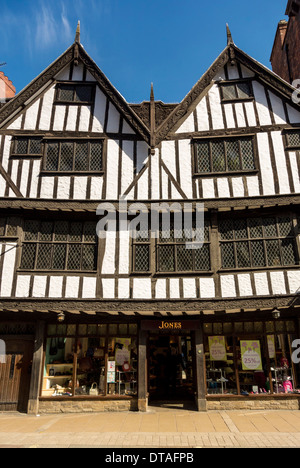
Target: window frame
{"points": [[74, 141], [53, 242], [75, 84], [287, 145], [224, 139], [263, 239], [235, 83], [27, 155]]}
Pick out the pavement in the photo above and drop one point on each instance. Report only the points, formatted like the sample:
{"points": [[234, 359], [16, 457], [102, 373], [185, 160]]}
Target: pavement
{"points": [[160, 427]]}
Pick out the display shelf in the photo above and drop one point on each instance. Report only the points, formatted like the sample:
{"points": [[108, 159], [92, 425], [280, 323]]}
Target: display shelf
{"points": [[281, 375], [130, 383], [218, 382], [65, 374]]}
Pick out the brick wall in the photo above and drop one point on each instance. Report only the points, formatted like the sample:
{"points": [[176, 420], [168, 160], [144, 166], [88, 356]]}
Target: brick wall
{"points": [[7, 89]]}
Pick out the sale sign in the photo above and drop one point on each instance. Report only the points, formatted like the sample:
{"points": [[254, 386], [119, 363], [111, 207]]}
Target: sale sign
{"points": [[217, 348], [271, 346], [251, 355]]}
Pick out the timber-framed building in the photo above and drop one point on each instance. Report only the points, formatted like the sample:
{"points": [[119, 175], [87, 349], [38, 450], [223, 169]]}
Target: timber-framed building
{"points": [[118, 323]]}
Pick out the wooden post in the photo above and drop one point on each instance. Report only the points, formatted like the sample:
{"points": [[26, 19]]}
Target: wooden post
{"points": [[142, 371], [37, 370], [200, 370]]}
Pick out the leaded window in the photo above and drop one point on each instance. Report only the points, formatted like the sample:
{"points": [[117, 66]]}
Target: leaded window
{"points": [[173, 254], [74, 156], [59, 245], [224, 155], [71, 93], [257, 242], [8, 227], [235, 91], [27, 146], [293, 139], [141, 250]]}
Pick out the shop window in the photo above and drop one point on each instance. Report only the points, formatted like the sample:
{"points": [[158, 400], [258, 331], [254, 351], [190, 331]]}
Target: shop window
{"points": [[92, 362], [255, 359], [59, 245], [257, 242], [74, 156], [224, 155]]}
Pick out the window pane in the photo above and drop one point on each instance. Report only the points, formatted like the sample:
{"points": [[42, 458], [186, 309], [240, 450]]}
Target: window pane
{"points": [[233, 155], [81, 157], [247, 153], [46, 231], [243, 90], [2, 226], [96, 156], [240, 228], [66, 157], [273, 252], [229, 92], [89, 232], [35, 146], [21, 146], [203, 158], [28, 256], [66, 93], [218, 157], [228, 260], [74, 257], [61, 231], [226, 229], [88, 257], [52, 157], [243, 255], [288, 252], [202, 258], [31, 230], [141, 257], [270, 227], [293, 138], [258, 255], [44, 257], [75, 232], [285, 227], [255, 227], [59, 256], [184, 258], [166, 260], [83, 94]]}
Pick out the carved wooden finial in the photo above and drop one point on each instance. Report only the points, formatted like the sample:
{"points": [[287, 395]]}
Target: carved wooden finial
{"points": [[77, 37], [229, 36], [152, 93]]}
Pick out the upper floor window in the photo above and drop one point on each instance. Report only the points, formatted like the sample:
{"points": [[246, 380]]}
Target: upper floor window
{"points": [[8, 227], [257, 242], [59, 245], [224, 155], [236, 91], [74, 156], [293, 138], [27, 146], [70, 93]]}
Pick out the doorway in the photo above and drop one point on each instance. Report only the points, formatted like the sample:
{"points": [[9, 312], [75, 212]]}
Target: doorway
{"points": [[170, 368], [15, 375]]}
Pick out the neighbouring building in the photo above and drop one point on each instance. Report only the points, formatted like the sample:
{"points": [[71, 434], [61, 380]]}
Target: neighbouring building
{"points": [[7, 89], [285, 57], [95, 323]]}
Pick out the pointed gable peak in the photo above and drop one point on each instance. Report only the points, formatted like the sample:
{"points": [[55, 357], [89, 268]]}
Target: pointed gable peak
{"points": [[229, 36], [77, 36]]}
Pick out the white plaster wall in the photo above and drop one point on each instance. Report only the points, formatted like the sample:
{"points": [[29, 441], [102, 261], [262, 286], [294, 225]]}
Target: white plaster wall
{"points": [[238, 187], [154, 175], [185, 167], [63, 188], [46, 112], [160, 288], [55, 288], [245, 287], [202, 116], [16, 124], [24, 178], [23, 285], [127, 128], [39, 286], [84, 121], [108, 286], [113, 119], [280, 158], [89, 288], [112, 170], [108, 264], [59, 118], [240, 116], [47, 187], [294, 115], [207, 288], [208, 188], [295, 172], [265, 164], [35, 178], [99, 111], [127, 165], [261, 104], [72, 287], [189, 288], [72, 118], [96, 188], [8, 269], [168, 156], [294, 281], [277, 282], [123, 288], [223, 188], [261, 284], [187, 125], [250, 113], [174, 288], [142, 189], [6, 152], [228, 286], [228, 108], [215, 106], [80, 187], [142, 288], [278, 109], [253, 186], [124, 249], [2, 186]]}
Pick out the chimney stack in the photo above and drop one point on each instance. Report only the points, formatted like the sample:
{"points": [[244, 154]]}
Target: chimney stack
{"points": [[7, 89]]}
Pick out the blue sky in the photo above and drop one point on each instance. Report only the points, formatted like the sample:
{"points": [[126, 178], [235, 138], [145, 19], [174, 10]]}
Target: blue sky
{"points": [[135, 42]]}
